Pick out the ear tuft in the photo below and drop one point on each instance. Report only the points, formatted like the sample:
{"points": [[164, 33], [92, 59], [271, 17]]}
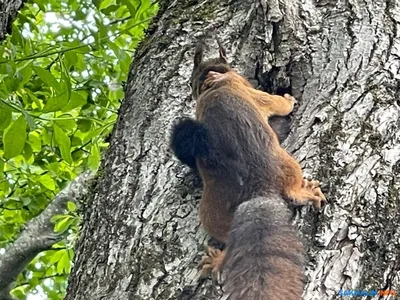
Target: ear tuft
{"points": [[198, 54], [222, 52]]}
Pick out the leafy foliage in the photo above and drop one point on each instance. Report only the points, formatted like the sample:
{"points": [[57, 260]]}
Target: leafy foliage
{"points": [[61, 74]]}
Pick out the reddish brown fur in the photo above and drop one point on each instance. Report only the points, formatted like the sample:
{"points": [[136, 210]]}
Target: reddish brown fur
{"points": [[245, 173], [293, 186]]}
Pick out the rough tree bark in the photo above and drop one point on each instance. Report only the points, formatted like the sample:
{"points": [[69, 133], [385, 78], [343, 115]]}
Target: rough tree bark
{"points": [[142, 239], [8, 12]]}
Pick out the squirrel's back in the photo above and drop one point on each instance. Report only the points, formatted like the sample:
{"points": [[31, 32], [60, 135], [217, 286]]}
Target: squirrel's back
{"points": [[241, 153]]}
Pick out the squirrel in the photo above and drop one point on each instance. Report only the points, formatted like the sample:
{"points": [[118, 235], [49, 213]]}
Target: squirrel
{"points": [[247, 176]]}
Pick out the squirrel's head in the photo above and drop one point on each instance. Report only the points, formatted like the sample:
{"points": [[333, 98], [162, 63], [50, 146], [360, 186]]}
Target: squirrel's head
{"points": [[201, 68]]}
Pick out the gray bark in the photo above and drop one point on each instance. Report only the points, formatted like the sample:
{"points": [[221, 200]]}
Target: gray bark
{"points": [[8, 12], [142, 239], [38, 234]]}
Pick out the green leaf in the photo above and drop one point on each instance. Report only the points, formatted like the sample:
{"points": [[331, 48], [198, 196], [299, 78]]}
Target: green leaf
{"points": [[145, 6], [97, 3], [12, 204], [56, 103], [67, 263], [14, 138], [26, 201], [13, 217], [66, 84], [35, 141], [27, 151], [48, 182], [61, 265], [47, 77], [119, 53], [4, 187], [63, 94], [106, 3], [19, 292], [25, 72], [104, 130], [55, 218], [10, 68], [109, 9], [55, 258], [63, 142], [76, 141], [29, 119], [80, 15], [94, 158], [77, 99], [16, 36], [78, 155], [71, 206], [84, 125], [130, 6], [63, 225], [70, 59], [11, 82], [41, 6], [36, 100], [80, 64], [66, 122], [5, 115]]}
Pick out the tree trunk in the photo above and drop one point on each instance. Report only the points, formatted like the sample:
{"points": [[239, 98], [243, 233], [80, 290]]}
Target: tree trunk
{"points": [[141, 238], [8, 12]]}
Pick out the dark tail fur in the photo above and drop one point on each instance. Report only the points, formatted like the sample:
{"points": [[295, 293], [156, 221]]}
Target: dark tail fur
{"points": [[189, 140], [264, 258]]}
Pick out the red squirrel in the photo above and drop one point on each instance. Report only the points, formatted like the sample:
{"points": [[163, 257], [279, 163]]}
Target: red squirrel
{"points": [[247, 176]]}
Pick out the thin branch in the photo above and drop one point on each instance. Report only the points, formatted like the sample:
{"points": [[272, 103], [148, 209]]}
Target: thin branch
{"points": [[13, 106], [40, 279], [40, 55]]}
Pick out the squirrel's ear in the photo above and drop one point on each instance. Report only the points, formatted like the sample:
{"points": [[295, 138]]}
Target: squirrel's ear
{"points": [[198, 54], [222, 53]]}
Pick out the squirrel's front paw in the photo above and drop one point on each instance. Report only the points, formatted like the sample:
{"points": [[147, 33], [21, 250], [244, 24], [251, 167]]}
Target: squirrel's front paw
{"points": [[212, 261], [290, 98], [313, 187]]}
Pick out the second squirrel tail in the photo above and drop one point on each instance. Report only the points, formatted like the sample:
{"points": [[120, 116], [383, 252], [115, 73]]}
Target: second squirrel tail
{"points": [[189, 140], [265, 257]]}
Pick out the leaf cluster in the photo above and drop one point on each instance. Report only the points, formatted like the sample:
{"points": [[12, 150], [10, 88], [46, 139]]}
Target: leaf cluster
{"points": [[61, 75]]}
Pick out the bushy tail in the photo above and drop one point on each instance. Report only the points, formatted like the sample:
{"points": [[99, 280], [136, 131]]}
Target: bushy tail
{"points": [[189, 140], [265, 257]]}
